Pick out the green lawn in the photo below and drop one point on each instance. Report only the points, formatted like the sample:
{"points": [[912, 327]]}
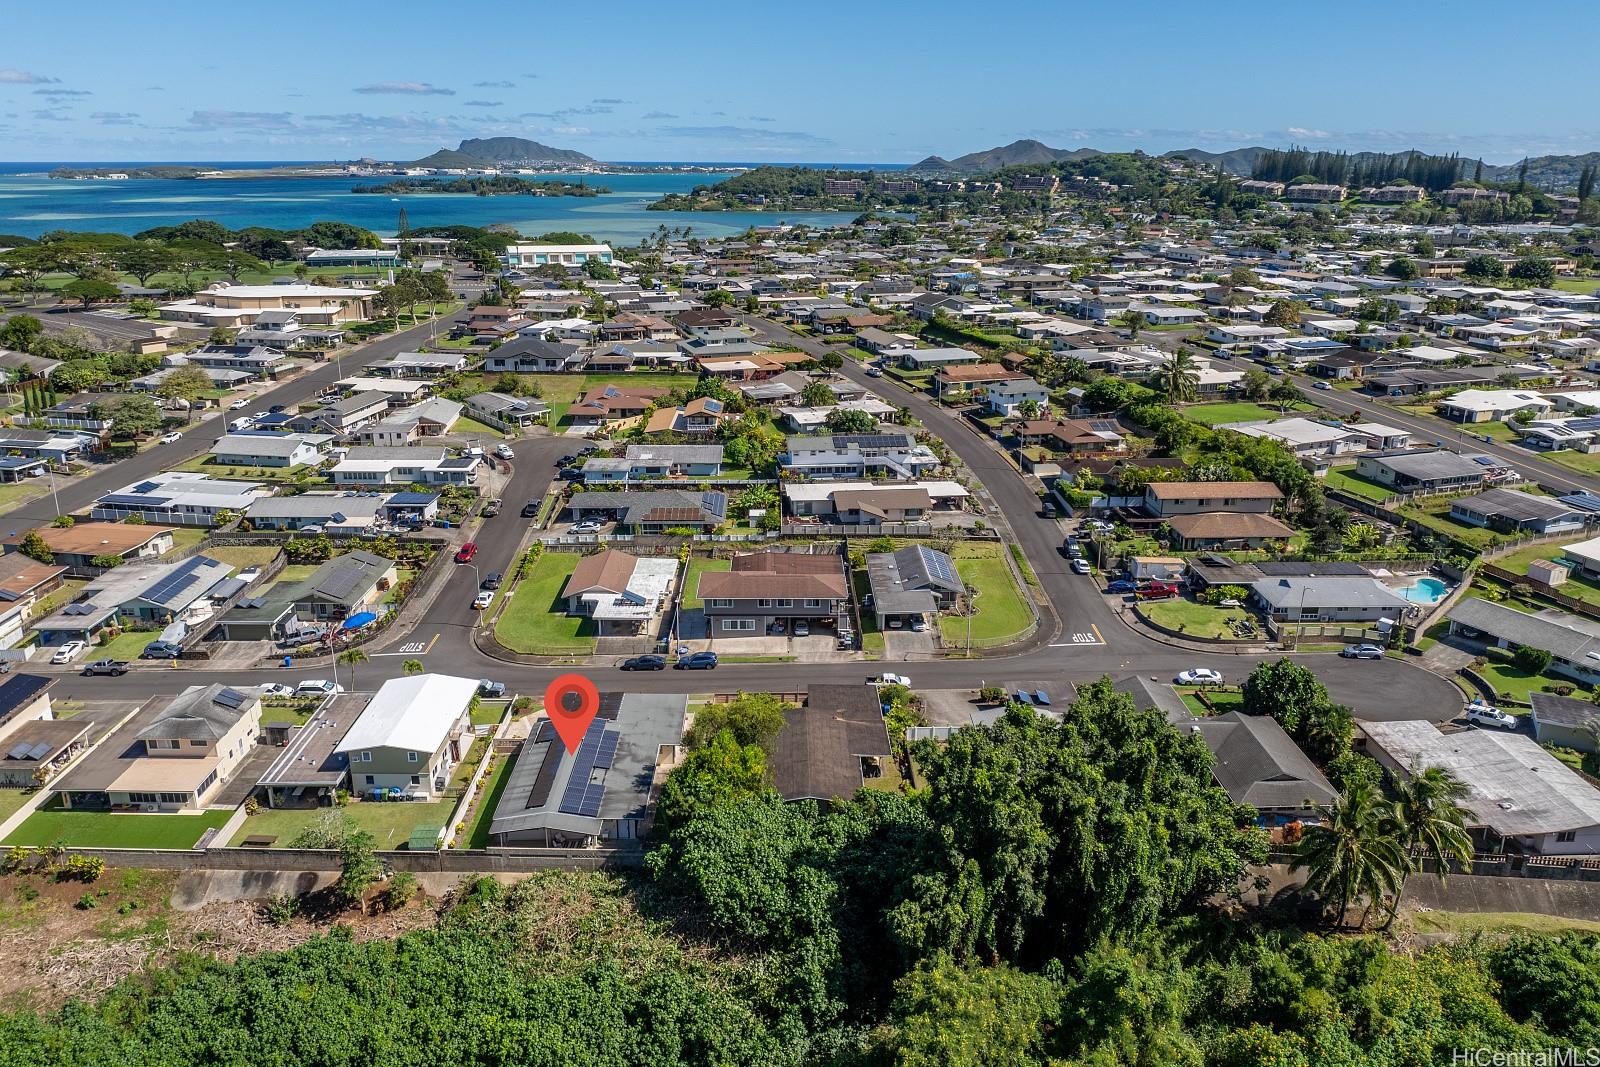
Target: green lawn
{"points": [[1188, 617], [1214, 414], [1434, 512], [13, 494], [11, 800], [489, 712], [187, 537], [1222, 701], [1497, 923], [1509, 681], [98, 829], [466, 425], [242, 556], [296, 572], [289, 709], [390, 823], [1576, 586], [698, 565], [534, 622], [1582, 462], [476, 834], [237, 472], [1002, 610], [127, 646], [1581, 286]]}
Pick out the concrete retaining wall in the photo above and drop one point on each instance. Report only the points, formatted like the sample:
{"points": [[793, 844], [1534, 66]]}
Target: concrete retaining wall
{"points": [[459, 861]]}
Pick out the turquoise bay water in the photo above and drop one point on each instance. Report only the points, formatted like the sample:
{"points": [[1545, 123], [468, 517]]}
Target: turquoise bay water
{"points": [[31, 204]]}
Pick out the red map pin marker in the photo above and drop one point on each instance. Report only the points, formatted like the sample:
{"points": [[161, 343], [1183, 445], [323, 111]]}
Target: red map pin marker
{"points": [[571, 702]]}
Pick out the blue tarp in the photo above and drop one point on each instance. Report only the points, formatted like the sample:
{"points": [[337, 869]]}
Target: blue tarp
{"points": [[360, 619]]}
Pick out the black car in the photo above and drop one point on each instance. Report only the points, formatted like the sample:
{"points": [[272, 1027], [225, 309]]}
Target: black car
{"points": [[571, 474], [644, 663], [530, 509], [492, 581], [698, 661], [277, 408], [565, 461]]}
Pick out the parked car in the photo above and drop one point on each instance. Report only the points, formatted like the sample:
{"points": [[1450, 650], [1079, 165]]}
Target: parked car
{"points": [[644, 663], [530, 509], [161, 650], [492, 581], [1200, 676], [802, 628], [317, 687], [171, 437], [1080, 566], [1361, 652], [587, 526], [890, 679], [1156, 591], [566, 461], [874, 372], [483, 599], [504, 452], [1123, 585], [276, 689], [276, 408], [919, 625], [238, 405], [487, 688], [67, 652], [466, 552], [114, 667], [1326, 385], [491, 509], [697, 661], [1482, 714]]}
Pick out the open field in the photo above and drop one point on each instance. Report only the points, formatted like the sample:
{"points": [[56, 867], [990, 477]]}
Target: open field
{"points": [[1190, 618], [391, 824], [1215, 414]]}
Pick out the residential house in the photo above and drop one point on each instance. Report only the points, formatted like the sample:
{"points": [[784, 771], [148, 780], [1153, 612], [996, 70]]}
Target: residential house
{"points": [[644, 462], [1491, 405], [24, 581], [1164, 500], [1079, 436], [821, 500], [912, 582], [1520, 798], [52, 446], [877, 505], [239, 305], [653, 510], [1432, 471], [332, 513], [607, 404], [831, 746], [1513, 511], [532, 256], [1008, 397], [345, 415], [422, 465], [1574, 643], [763, 592], [1259, 765], [171, 756], [178, 498], [283, 450], [935, 358], [964, 378], [858, 456], [1566, 722], [533, 355], [883, 343], [703, 415], [75, 547], [412, 735], [160, 593], [433, 417], [1338, 598], [249, 362], [622, 593], [606, 791], [510, 413], [1227, 530]]}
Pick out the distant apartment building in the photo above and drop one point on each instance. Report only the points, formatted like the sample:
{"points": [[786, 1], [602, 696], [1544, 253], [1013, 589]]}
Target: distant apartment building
{"points": [[529, 256], [843, 187]]}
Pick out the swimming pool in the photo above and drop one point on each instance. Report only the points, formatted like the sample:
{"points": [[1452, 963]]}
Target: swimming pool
{"points": [[1424, 591]]}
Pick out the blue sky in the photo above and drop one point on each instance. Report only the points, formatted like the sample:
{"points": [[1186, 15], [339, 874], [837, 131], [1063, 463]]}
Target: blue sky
{"points": [[820, 81]]}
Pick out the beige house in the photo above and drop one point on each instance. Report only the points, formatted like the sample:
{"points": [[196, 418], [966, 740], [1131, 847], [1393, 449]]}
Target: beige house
{"points": [[238, 305], [411, 736], [169, 757]]}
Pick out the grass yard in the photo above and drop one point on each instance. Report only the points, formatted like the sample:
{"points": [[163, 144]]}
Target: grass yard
{"points": [[296, 572], [100, 829], [1434, 513], [289, 709], [1222, 701], [533, 622], [468, 425], [489, 712], [1497, 923], [184, 537], [239, 472], [1510, 683], [391, 824], [1582, 462], [14, 494], [1577, 585], [1002, 611], [476, 834], [698, 565], [1215, 414], [126, 645], [1346, 480], [1190, 618], [13, 799], [1581, 286], [242, 556]]}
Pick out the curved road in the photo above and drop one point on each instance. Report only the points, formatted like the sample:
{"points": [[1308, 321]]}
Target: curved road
{"points": [[1054, 657]]}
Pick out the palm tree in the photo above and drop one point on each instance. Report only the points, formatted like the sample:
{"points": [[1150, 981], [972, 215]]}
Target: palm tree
{"points": [[412, 666], [1181, 379], [1355, 852], [1432, 822], [352, 657]]}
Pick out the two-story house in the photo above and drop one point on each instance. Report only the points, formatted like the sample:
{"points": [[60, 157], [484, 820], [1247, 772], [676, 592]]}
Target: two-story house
{"points": [[411, 736], [768, 592]]}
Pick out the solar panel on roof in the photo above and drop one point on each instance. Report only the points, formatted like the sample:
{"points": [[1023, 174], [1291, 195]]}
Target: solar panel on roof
{"points": [[39, 750], [608, 749], [713, 406], [146, 487], [18, 752], [937, 564], [230, 698]]}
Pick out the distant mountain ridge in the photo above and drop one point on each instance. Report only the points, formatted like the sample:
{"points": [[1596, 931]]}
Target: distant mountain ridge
{"points": [[476, 151], [1016, 154], [1544, 172]]}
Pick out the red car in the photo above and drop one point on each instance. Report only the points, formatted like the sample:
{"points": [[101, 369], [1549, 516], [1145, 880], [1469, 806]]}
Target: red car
{"points": [[466, 552], [1156, 591]]}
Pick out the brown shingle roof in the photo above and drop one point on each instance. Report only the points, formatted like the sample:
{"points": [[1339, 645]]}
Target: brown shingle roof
{"points": [[786, 562], [1214, 490], [817, 754], [603, 572], [1227, 524], [765, 585], [99, 538], [978, 372]]}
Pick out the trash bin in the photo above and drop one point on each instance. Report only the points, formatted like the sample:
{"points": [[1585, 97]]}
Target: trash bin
{"points": [[288, 661]]}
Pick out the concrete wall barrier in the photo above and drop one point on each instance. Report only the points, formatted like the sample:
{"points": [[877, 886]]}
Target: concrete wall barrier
{"points": [[456, 861]]}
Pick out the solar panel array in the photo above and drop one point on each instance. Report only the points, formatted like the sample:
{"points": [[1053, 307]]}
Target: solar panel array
{"points": [[178, 579], [37, 750], [597, 749], [230, 698], [938, 565]]}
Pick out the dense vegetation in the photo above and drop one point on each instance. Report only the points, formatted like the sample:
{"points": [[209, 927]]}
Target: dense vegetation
{"points": [[1433, 173], [1046, 899], [496, 185]]}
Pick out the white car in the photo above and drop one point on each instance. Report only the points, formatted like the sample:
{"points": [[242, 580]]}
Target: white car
{"points": [[1080, 566], [892, 679], [276, 689], [238, 405], [1481, 714], [68, 652], [483, 599], [504, 452], [1200, 676], [586, 526], [317, 687], [171, 438]]}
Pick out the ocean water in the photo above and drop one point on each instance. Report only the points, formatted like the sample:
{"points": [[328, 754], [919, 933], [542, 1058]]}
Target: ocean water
{"points": [[31, 204]]}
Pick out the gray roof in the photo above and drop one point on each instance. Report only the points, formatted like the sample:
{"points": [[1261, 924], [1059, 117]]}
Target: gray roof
{"points": [[906, 581], [818, 752], [277, 445], [357, 402], [1338, 592], [634, 506], [1515, 505], [343, 577], [318, 506], [1564, 639], [676, 453], [1148, 695], [1432, 464], [196, 714], [1563, 711], [1258, 764]]}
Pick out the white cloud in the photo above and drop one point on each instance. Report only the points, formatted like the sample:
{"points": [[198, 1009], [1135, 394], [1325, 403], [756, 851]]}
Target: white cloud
{"points": [[12, 76], [405, 89]]}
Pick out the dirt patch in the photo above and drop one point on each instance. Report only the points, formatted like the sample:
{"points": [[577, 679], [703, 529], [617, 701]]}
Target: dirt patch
{"points": [[65, 940]]}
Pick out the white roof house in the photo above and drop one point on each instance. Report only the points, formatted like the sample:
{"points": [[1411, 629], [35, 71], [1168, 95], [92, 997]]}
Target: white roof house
{"points": [[1479, 405], [415, 714]]}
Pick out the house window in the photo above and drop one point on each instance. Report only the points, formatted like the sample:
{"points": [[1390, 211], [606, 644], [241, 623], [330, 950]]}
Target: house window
{"points": [[366, 757], [416, 779], [738, 624], [143, 798], [369, 779], [1566, 837], [719, 602], [813, 603], [411, 757], [174, 798]]}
